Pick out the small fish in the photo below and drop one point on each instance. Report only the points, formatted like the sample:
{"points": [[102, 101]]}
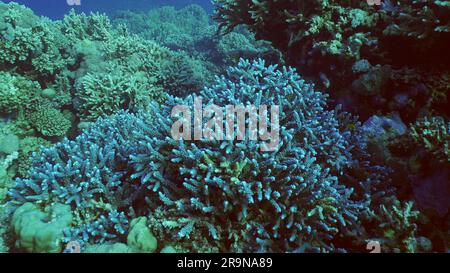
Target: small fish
{"points": [[389, 6], [374, 2], [74, 2], [73, 247], [324, 79]]}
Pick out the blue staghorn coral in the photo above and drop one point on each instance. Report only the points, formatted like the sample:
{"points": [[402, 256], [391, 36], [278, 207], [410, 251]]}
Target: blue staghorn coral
{"points": [[90, 174], [245, 199], [122, 183]]}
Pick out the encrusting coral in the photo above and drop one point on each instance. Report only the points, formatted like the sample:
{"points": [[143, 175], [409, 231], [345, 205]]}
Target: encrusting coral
{"points": [[40, 231]]}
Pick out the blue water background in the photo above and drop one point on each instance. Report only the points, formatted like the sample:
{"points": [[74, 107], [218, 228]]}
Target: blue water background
{"points": [[56, 9]]}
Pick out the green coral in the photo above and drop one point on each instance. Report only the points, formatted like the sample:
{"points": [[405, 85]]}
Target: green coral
{"points": [[30, 41], [323, 39], [177, 29], [396, 222], [190, 32], [433, 134], [122, 72], [140, 237], [106, 93], [40, 230], [108, 248], [15, 92], [77, 27], [182, 74], [320, 24], [27, 147], [241, 43], [49, 121]]}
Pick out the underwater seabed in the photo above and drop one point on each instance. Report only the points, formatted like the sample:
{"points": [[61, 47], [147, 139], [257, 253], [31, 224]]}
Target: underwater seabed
{"points": [[89, 164]]}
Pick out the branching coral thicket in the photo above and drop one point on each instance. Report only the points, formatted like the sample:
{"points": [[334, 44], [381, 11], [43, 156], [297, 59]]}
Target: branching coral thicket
{"points": [[106, 93], [94, 27], [177, 29], [29, 41], [87, 152], [378, 62], [89, 174], [15, 92], [323, 25], [287, 200], [182, 75], [60, 75], [434, 136], [133, 72], [227, 195], [394, 225], [81, 51]]}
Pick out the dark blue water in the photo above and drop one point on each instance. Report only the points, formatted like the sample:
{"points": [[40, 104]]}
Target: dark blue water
{"points": [[56, 9]]}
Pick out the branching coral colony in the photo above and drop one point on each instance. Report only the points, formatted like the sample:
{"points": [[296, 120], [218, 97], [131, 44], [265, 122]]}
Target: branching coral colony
{"points": [[87, 153], [214, 195]]}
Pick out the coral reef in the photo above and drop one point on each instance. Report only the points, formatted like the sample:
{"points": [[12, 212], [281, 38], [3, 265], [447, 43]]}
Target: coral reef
{"points": [[88, 157], [389, 65], [191, 31], [178, 29], [89, 174], [107, 152], [326, 39], [30, 42]]}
